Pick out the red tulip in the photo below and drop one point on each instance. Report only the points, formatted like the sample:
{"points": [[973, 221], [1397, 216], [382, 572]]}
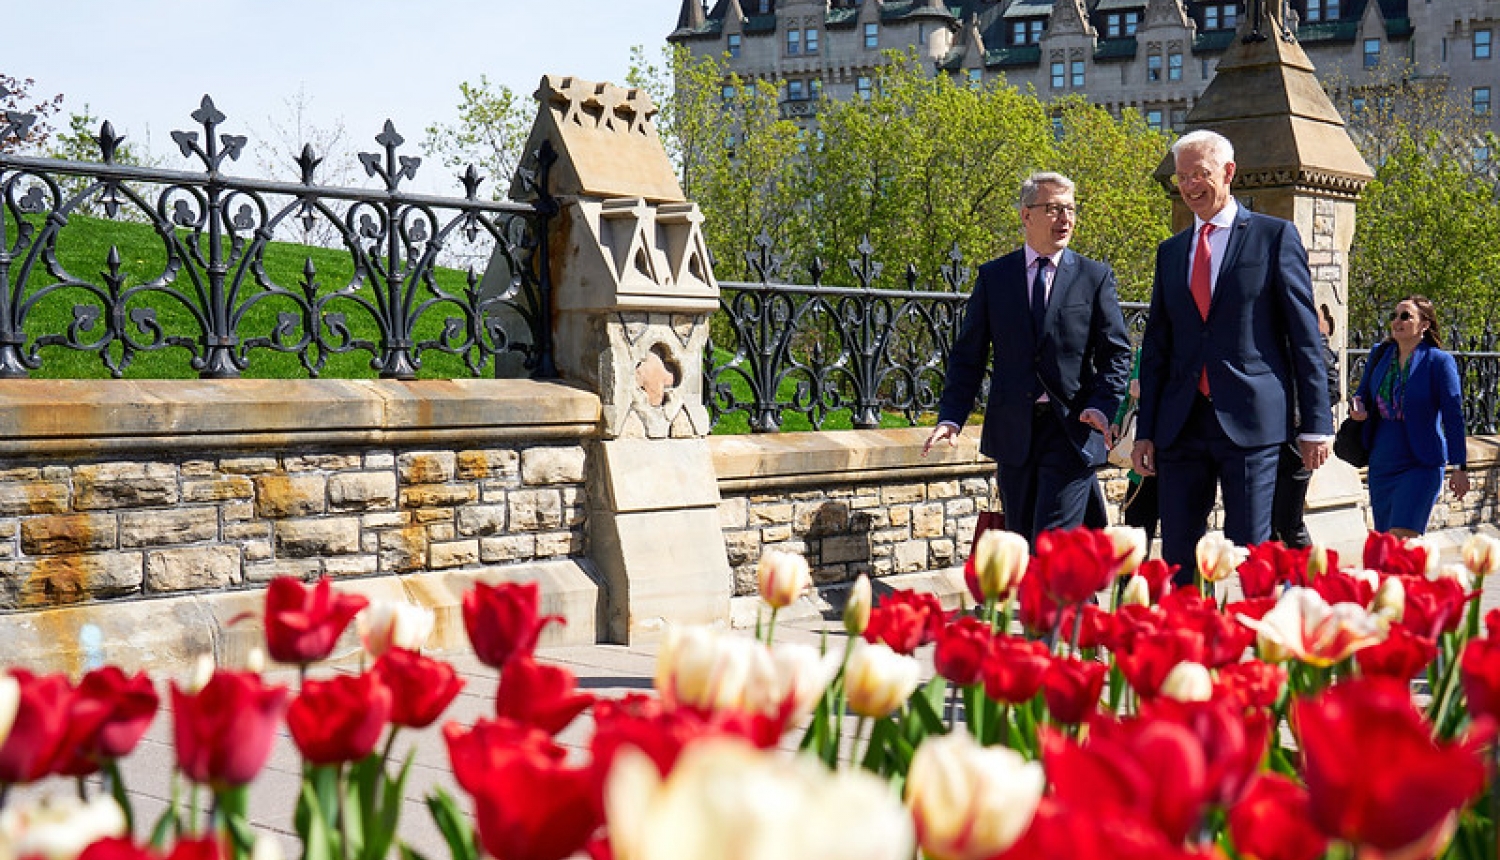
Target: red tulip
{"points": [[529, 804], [906, 620], [1375, 775], [1340, 587], [1078, 563], [1251, 684], [1082, 832], [1132, 623], [1014, 672], [538, 695], [223, 734], [122, 848], [1480, 671], [1224, 638], [1151, 657], [302, 625], [962, 649], [1433, 607], [1071, 689], [642, 722], [1039, 611], [421, 687], [129, 706], [1158, 575], [1274, 822], [1402, 655], [478, 754], [1152, 770], [1393, 556], [340, 719], [1257, 575], [1234, 741], [503, 620], [40, 730]]}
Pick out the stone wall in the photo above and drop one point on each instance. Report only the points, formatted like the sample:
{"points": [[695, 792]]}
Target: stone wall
{"points": [[852, 502]]}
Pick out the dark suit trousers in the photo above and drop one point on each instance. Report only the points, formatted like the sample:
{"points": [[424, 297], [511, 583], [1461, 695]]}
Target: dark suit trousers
{"points": [[1201, 460], [1288, 523], [1053, 488]]}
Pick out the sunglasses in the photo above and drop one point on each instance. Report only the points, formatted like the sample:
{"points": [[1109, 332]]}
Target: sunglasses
{"points": [[1404, 316]]}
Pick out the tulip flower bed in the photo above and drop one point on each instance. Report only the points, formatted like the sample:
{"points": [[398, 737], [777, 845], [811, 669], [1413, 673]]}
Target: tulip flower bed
{"points": [[1152, 723]]}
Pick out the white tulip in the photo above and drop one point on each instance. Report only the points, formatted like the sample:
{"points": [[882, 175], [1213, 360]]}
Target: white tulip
{"points": [[1130, 547], [1482, 555], [1218, 557], [970, 802], [877, 680], [387, 624], [59, 828], [1000, 559], [1188, 682]]}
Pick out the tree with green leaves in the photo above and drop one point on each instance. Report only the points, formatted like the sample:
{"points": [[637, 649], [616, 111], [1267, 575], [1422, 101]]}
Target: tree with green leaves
{"points": [[493, 123], [16, 97]]}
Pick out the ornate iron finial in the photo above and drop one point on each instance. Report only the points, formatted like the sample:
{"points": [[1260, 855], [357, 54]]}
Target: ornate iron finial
{"points": [[763, 263], [393, 168], [307, 162], [955, 273], [109, 142], [865, 269], [17, 124], [210, 118]]}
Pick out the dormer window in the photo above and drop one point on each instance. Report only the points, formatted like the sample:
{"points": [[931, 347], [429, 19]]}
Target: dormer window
{"points": [[1117, 24], [1220, 16], [1027, 32]]}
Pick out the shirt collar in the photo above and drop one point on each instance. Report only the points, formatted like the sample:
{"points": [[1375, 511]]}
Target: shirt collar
{"points": [[1223, 219], [1032, 255]]}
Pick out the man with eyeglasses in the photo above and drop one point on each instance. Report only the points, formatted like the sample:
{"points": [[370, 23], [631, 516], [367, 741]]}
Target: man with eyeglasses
{"points": [[1051, 319], [1232, 337]]}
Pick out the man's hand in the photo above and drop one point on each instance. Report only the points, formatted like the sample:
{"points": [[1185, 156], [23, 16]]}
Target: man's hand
{"points": [[939, 433], [1143, 457], [1459, 483], [1314, 454], [1095, 419]]}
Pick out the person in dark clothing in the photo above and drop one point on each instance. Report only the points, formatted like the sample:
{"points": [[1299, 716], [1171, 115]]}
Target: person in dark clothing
{"points": [[1289, 505]]}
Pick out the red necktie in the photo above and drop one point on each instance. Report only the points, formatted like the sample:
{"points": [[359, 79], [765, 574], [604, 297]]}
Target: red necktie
{"points": [[1200, 285]]}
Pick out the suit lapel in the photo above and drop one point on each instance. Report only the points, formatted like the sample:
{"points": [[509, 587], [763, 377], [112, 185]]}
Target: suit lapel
{"points": [[1231, 252]]}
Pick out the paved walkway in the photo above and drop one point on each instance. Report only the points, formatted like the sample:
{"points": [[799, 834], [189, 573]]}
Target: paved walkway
{"points": [[606, 670]]}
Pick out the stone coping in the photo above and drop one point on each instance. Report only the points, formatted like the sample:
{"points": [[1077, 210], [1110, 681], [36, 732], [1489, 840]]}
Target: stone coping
{"points": [[167, 635], [780, 460], [48, 417]]}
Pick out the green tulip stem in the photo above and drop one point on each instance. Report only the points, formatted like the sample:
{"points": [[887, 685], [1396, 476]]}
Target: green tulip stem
{"points": [[342, 802], [1494, 765], [838, 705], [1077, 630], [82, 788], [771, 627], [1007, 606], [859, 731]]}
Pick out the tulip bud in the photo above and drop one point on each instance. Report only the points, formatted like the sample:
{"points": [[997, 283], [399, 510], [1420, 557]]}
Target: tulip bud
{"points": [[1188, 682], [1000, 559], [857, 606], [1390, 599], [970, 801], [10, 702], [255, 661], [203, 672], [782, 578], [1432, 555], [1130, 547], [1317, 561], [387, 624], [1482, 555], [877, 680], [1456, 572], [1218, 557], [266, 848], [59, 828], [1137, 591]]}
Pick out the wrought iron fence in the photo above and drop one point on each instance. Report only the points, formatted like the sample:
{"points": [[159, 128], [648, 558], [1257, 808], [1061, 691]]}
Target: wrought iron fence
{"points": [[207, 293], [877, 355]]}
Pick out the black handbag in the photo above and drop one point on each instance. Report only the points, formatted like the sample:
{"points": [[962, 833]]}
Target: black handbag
{"points": [[1349, 443]]}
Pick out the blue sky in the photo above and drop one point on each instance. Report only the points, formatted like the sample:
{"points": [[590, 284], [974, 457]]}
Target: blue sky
{"points": [[145, 64]]}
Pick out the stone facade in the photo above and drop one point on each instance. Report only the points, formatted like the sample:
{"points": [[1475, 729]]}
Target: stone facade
{"points": [[72, 531], [1156, 56]]}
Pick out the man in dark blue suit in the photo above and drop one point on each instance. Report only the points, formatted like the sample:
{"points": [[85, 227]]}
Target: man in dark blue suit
{"points": [[1232, 335], [1052, 320]]}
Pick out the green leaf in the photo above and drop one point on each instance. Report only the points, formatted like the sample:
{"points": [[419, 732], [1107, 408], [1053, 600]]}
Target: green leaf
{"points": [[317, 835], [453, 824]]}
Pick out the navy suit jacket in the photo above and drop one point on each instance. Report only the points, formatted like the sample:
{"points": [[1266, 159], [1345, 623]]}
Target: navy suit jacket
{"points": [[1260, 342], [1432, 412], [1083, 355]]}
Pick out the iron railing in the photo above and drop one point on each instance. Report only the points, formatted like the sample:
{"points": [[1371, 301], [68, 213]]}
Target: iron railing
{"points": [[874, 351], [207, 293]]}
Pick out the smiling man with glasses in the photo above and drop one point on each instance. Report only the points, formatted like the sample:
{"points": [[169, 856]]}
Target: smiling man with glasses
{"points": [[1051, 319], [1231, 340]]}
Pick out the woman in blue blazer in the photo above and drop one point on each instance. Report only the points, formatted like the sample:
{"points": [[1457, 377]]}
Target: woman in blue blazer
{"points": [[1410, 395]]}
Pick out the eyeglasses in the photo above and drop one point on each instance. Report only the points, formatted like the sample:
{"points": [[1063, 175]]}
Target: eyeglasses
{"points": [[1054, 210], [1202, 174], [1404, 316]]}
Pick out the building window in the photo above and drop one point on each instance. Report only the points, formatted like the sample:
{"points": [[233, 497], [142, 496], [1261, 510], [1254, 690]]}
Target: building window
{"points": [[1322, 10], [1117, 24], [1211, 18], [872, 35], [1481, 101], [1078, 74], [765, 7], [1018, 33], [796, 90], [1153, 67], [976, 77], [1357, 105], [794, 41], [815, 89], [1132, 22], [862, 87], [1059, 76], [1314, 10], [1034, 31], [1179, 119], [812, 40], [1174, 67], [1483, 39], [1331, 7], [1153, 119], [734, 45], [1372, 53], [728, 93], [1481, 156], [1057, 128]]}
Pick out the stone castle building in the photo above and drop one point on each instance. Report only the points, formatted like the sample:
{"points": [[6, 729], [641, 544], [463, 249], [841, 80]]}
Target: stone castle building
{"points": [[1156, 56]]}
